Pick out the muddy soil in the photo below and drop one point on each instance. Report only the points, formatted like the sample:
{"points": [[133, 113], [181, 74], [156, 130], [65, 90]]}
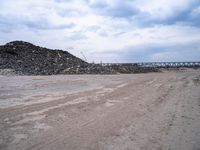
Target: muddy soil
{"points": [[154, 111]]}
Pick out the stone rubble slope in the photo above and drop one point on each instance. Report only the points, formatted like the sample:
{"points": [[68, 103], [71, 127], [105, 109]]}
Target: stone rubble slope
{"points": [[24, 58]]}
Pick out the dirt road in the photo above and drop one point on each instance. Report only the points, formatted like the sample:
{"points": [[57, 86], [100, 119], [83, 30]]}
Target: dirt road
{"points": [[156, 111]]}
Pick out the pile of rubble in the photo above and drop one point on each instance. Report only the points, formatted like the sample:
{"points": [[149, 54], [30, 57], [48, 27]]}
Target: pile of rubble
{"points": [[130, 68], [27, 59]]}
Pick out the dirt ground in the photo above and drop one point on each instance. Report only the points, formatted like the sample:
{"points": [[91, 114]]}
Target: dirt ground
{"points": [[154, 111]]}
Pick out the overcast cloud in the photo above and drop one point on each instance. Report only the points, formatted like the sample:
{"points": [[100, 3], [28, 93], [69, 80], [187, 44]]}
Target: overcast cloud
{"points": [[107, 30]]}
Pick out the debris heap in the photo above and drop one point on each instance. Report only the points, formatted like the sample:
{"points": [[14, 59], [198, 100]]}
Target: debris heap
{"points": [[27, 59]]}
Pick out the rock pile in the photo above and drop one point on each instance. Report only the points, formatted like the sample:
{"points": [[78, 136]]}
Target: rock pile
{"points": [[27, 59], [130, 68]]}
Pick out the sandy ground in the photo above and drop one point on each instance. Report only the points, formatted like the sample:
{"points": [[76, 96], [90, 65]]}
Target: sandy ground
{"points": [[155, 111]]}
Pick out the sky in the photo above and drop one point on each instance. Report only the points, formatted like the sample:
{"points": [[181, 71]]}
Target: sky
{"points": [[117, 31]]}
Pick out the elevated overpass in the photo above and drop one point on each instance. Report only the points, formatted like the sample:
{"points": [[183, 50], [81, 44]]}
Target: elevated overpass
{"points": [[157, 64]]}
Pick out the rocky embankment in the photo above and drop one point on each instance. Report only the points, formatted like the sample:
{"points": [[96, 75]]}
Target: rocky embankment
{"points": [[24, 58]]}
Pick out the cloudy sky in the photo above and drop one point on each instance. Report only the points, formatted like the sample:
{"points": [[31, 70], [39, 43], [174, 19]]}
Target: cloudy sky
{"points": [[107, 30]]}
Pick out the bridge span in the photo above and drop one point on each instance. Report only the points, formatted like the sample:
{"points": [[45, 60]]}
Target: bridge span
{"points": [[156, 64]]}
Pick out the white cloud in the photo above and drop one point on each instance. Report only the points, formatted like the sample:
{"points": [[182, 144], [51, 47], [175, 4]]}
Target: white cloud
{"points": [[101, 36], [162, 9]]}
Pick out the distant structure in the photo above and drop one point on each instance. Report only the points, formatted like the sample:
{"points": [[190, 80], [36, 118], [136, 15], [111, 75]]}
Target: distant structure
{"points": [[169, 64], [158, 64]]}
